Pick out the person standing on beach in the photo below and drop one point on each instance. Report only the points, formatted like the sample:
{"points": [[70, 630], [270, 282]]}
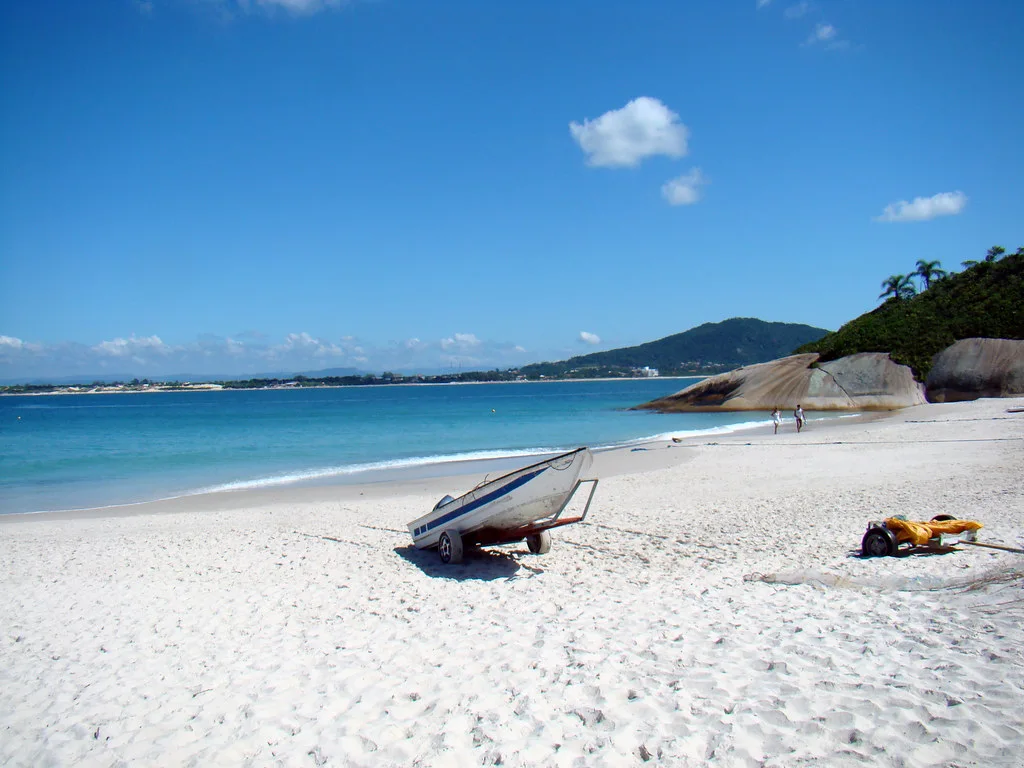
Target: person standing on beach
{"points": [[798, 414], [776, 416]]}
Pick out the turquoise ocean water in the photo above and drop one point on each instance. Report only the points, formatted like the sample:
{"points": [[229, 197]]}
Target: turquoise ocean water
{"points": [[64, 452]]}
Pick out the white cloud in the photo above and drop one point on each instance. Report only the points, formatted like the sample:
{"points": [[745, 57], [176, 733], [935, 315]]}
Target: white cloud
{"points": [[303, 343], [234, 348], [12, 347], [589, 338], [460, 341], [822, 33], [624, 137], [924, 208], [798, 10], [300, 341], [762, 3], [685, 189], [132, 346]]}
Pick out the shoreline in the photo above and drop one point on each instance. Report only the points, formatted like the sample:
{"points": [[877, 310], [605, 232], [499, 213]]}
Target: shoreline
{"points": [[712, 609], [348, 482], [392, 484]]}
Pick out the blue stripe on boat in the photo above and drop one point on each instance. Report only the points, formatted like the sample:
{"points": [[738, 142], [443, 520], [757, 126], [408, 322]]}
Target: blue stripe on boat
{"points": [[485, 499]]}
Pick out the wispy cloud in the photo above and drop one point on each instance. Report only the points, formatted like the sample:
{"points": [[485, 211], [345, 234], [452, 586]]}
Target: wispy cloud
{"points": [[624, 137], [762, 3], [589, 338], [827, 36], [925, 208], [685, 189], [248, 354], [231, 9], [297, 6], [822, 33], [798, 10]]}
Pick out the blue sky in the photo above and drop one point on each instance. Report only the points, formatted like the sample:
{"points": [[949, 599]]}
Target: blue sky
{"points": [[218, 186]]}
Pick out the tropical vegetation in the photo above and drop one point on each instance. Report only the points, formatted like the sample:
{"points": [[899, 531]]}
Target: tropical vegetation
{"points": [[914, 323]]}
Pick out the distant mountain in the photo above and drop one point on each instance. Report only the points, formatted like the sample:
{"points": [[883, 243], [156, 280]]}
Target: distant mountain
{"points": [[711, 347]]}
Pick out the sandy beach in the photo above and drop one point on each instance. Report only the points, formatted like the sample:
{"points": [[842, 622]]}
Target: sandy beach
{"points": [[712, 610]]}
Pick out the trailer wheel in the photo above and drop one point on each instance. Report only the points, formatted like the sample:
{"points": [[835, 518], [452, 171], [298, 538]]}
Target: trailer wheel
{"points": [[878, 542], [942, 518], [449, 547], [539, 543]]}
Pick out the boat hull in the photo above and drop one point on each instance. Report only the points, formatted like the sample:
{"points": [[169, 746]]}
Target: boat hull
{"points": [[510, 507]]}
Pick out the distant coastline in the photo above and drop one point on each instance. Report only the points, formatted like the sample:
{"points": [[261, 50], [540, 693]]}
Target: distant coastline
{"points": [[241, 385]]}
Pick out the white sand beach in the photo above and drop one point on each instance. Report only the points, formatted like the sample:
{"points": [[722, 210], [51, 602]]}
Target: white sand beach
{"points": [[712, 610]]}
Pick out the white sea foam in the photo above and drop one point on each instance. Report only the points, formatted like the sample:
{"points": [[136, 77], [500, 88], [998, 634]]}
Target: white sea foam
{"points": [[687, 434], [326, 473], [396, 465]]}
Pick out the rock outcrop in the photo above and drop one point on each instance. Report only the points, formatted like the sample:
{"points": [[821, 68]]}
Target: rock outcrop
{"points": [[866, 381], [973, 368]]}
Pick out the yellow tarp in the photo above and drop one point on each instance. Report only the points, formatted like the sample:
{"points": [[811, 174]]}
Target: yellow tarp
{"points": [[920, 533]]}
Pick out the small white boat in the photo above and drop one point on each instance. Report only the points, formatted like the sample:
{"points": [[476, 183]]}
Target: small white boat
{"points": [[523, 504]]}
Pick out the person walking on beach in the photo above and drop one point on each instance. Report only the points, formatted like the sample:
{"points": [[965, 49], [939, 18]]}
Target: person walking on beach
{"points": [[798, 414], [776, 416]]}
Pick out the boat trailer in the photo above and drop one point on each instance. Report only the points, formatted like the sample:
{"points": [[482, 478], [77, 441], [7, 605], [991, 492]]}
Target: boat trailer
{"points": [[885, 538]]}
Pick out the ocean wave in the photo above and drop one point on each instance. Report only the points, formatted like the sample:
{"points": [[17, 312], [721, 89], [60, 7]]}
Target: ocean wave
{"points": [[689, 434], [347, 470], [327, 473]]}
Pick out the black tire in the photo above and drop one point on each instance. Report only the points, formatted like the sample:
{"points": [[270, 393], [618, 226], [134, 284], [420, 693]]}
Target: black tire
{"points": [[878, 542], [449, 547], [942, 518], [539, 543]]}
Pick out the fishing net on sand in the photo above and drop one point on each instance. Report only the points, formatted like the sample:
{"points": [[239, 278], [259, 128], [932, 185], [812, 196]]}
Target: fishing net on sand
{"points": [[1010, 576]]}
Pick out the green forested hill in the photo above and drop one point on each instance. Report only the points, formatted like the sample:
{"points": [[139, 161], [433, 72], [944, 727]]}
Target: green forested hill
{"points": [[986, 300], [708, 348]]}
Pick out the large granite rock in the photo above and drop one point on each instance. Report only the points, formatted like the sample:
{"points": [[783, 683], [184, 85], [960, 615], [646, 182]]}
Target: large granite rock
{"points": [[867, 381], [973, 368]]}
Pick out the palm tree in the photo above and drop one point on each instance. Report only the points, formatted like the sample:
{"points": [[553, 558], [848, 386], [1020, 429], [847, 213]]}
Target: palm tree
{"points": [[994, 253], [929, 271], [898, 286]]}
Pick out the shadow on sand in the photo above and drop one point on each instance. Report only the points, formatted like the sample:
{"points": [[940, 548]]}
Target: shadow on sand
{"points": [[478, 563]]}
